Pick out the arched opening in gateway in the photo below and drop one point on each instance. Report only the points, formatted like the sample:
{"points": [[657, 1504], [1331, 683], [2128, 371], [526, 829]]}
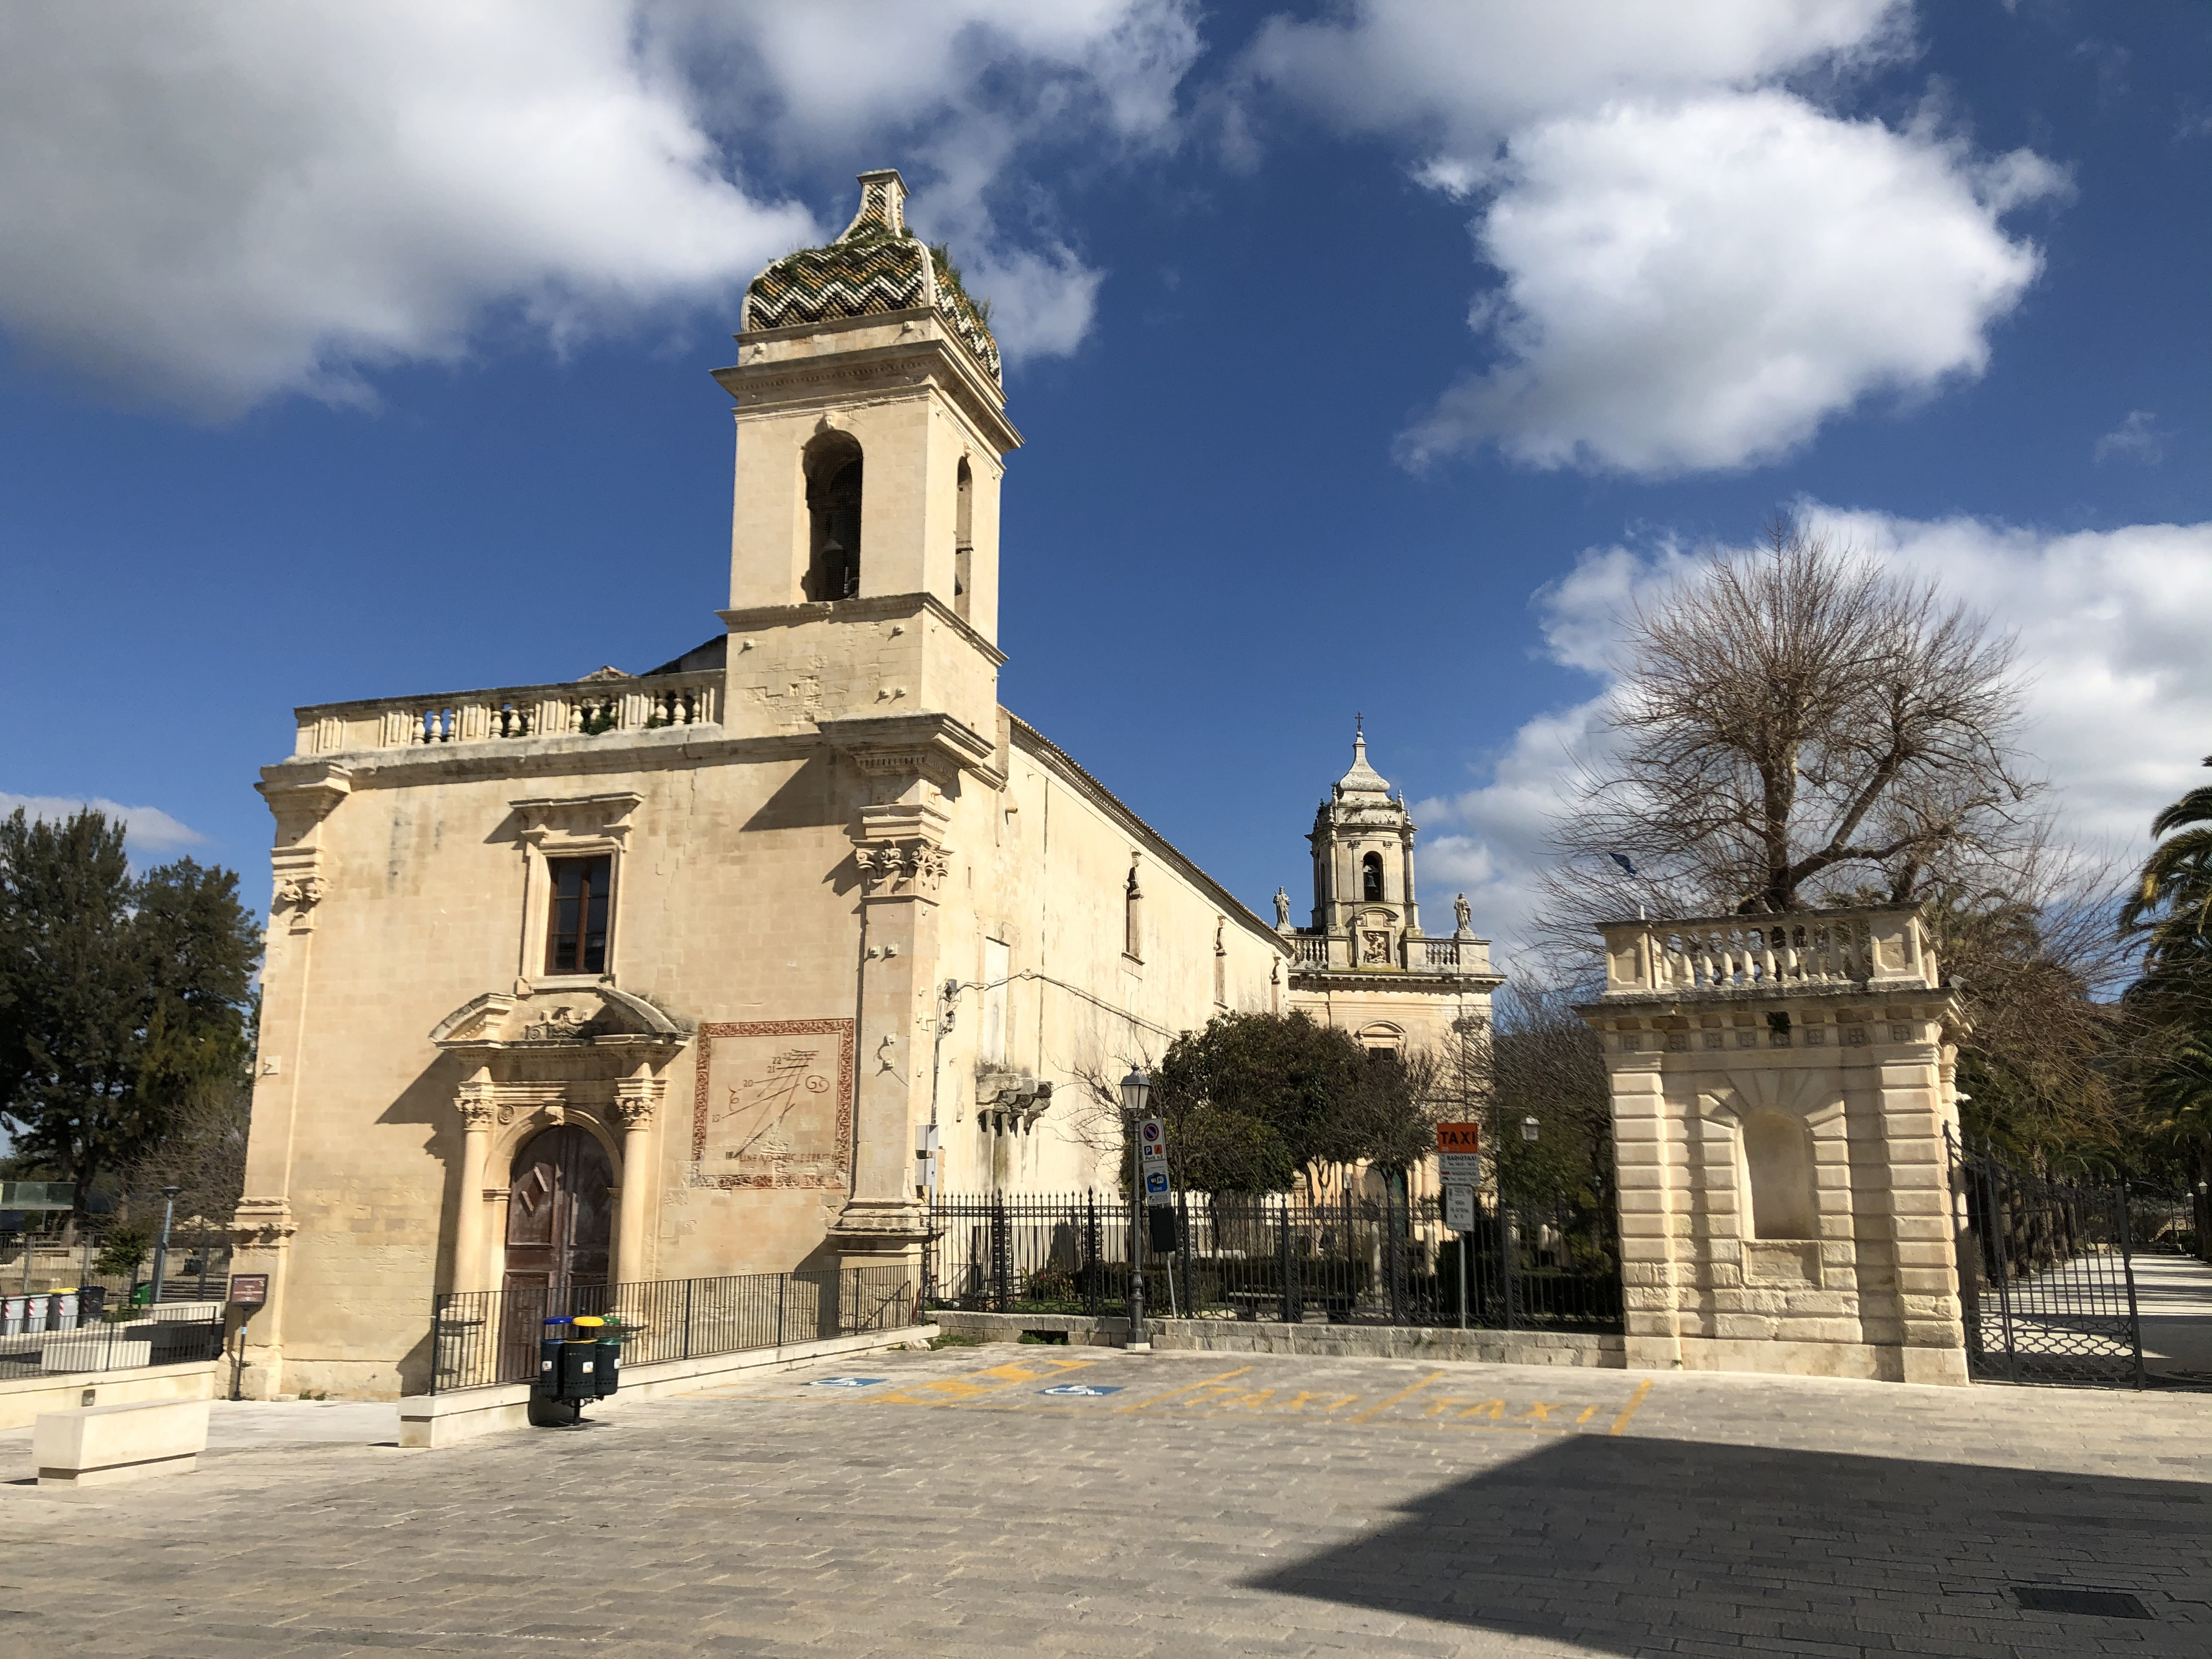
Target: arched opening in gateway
{"points": [[832, 463], [1371, 879]]}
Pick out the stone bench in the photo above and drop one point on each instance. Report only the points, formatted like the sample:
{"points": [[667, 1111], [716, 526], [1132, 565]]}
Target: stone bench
{"points": [[101, 1445]]}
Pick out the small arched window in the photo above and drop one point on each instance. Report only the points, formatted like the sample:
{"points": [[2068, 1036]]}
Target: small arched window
{"points": [[833, 517], [1370, 878], [964, 539], [1778, 1157]]}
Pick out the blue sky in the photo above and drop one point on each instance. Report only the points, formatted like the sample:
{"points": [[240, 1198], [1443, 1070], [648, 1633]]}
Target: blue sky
{"points": [[1370, 359]]}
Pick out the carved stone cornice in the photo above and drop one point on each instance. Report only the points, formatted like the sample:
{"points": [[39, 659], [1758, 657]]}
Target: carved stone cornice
{"points": [[301, 796], [637, 1102], [558, 820], [914, 869], [930, 742], [262, 1223], [477, 1103]]}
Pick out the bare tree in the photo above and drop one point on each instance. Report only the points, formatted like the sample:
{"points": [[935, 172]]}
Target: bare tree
{"points": [[1798, 725]]}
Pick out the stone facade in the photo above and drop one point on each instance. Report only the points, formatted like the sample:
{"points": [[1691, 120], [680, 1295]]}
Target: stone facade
{"points": [[1782, 1088], [697, 963]]}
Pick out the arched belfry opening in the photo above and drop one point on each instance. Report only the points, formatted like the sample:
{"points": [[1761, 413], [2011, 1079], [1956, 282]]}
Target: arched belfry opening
{"points": [[963, 538], [832, 463], [1371, 879]]}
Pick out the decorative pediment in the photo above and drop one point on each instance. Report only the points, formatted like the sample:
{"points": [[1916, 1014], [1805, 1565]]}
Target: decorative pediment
{"points": [[593, 818], [594, 1016]]}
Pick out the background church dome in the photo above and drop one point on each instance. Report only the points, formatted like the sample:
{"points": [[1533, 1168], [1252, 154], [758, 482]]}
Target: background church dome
{"points": [[876, 266]]}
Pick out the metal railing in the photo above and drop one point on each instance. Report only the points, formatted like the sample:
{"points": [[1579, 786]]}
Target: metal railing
{"points": [[60, 1332], [483, 1339], [1262, 1258]]}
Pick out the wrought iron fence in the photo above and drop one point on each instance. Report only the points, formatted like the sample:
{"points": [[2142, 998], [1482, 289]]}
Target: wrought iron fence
{"points": [[67, 1332], [480, 1339], [1361, 1262], [2045, 1285]]}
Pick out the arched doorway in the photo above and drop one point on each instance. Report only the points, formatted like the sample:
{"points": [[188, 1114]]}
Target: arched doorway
{"points": [[559, 1211]]}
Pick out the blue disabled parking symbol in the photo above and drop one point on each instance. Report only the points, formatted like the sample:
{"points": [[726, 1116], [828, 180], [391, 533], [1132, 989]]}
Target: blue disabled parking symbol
{"points": [[845, 1382], [1080, 1390]]}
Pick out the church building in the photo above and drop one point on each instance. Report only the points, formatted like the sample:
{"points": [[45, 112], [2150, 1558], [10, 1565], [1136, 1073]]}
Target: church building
{"points": [[722, 967]]}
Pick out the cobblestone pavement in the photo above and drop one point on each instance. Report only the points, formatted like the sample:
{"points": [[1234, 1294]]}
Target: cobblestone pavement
{"points": [[1035, 1500]]}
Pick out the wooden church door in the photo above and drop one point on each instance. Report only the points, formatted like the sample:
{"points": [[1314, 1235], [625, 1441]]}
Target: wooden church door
{"points": [[559, 1216]]}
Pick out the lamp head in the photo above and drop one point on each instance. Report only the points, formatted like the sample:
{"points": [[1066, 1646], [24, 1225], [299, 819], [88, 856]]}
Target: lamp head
{"points": [[1136, 1091]]}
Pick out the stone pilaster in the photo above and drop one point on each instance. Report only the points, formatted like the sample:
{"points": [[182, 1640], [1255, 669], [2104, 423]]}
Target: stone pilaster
{"points": [[637, 1102], [1649, 1147], [1922, 1242], [476, 1106]]}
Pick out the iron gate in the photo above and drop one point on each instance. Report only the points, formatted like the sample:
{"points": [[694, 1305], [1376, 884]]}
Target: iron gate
{"points": [[2045, 1281]]}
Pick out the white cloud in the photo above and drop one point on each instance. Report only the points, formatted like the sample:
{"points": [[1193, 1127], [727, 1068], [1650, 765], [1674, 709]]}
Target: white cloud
{"points": [[1460, 78], [1698, 267], [961, 92], [147, 830], [206, 204], [1696, 287], [2136, 438], [2111, 625]]}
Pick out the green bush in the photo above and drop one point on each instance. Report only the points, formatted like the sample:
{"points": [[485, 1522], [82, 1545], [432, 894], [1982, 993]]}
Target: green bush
{"points": [[124, 1251]]}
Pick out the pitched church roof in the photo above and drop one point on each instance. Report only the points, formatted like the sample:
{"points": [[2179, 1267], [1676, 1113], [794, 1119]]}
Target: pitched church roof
{"points": [[877, 265]]}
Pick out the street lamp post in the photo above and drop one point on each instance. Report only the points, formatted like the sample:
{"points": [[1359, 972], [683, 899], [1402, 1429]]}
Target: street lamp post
{"points": [[1136, 1094], [162, 1249]]}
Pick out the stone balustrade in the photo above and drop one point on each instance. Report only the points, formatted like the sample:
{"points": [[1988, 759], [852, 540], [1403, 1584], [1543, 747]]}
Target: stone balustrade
{"points": [[589, 708], [1453, 956], [1878, 947]]}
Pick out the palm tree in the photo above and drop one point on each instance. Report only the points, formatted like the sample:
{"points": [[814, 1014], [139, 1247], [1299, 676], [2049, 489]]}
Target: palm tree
{"points": [[2177, 878], [2171, 913]]}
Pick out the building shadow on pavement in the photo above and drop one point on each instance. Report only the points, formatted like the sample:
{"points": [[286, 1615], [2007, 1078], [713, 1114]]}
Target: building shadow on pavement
{"points": [[1633, 1546]]}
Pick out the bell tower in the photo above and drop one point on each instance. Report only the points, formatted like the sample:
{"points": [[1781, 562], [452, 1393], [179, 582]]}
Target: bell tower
{"points": [[864, 616], [871, 439], [1363, 860]]}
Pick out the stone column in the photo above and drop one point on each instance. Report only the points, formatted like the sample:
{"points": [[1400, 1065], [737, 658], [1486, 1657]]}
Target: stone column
{"points": [[636, 1099], [474, 1102]]}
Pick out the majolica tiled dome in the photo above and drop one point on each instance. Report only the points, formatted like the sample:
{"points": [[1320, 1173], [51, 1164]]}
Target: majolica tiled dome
{"points": [[874, 267]]}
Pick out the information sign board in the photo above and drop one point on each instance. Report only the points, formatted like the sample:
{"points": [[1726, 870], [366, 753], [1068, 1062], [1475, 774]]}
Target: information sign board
{"points": [[1458, 1157], [1459, 1209], [249, 1289], [1152, 1149]]}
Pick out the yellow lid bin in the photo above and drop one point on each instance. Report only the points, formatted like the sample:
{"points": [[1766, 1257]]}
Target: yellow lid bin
{"points": [[588, 1328]]}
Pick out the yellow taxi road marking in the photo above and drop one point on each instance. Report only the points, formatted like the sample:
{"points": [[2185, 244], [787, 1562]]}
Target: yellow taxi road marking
{"points": [[1589, 1411], [1187, 1388], [1405, 1393], [1621, 1421], [1539, 1411], [948, 1390], [1297, 1401]]}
